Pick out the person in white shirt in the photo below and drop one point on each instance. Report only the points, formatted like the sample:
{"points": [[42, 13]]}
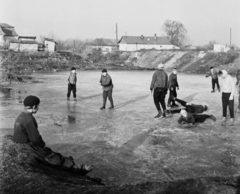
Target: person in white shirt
{"points": [[228, 89]]}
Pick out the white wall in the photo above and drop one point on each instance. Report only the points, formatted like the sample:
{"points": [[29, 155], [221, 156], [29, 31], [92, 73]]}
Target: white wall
{"points": [[14, 46], [135, 47], [50, 46], [2, 42], [221, 48], [28, 47]]}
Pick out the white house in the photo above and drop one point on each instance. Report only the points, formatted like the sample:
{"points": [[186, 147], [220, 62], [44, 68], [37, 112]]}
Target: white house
{"points": [[50, 45], [221, 48], [7, 33], [106, 45], [23, 45], [134, 43]]}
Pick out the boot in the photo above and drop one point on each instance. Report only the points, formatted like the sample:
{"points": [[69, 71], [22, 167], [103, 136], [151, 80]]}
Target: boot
{"points": [[158, 115], [103, 107], [213, 117], [164, 114]]}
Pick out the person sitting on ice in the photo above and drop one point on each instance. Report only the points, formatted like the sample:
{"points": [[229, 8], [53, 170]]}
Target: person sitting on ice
{"points": [[28, 140], [189, 118], [190, 108]]}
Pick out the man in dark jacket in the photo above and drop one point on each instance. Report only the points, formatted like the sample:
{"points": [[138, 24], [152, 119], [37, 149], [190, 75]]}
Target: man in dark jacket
{"points": [[160, 85], [214, 74], [190, 108], [107, 85], [173, 85], [29, 141]]}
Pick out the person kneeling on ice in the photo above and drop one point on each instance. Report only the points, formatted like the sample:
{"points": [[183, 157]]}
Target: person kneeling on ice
{"points": [[190, 108], [29, 141], [107, 85], [189, 118]]}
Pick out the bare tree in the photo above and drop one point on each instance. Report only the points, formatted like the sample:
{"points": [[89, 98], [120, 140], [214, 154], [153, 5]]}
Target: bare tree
{"points": [[176, 31]]}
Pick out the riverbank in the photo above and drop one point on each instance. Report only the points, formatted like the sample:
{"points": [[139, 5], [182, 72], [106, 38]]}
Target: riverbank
{"points": [[15, 64]]}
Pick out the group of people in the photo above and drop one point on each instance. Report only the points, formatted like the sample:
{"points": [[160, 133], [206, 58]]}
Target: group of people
{"points": [[29, 140], [191, 113]]}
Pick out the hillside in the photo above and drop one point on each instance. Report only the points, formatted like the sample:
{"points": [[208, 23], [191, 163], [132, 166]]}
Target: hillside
{"points": [[16, 64]]}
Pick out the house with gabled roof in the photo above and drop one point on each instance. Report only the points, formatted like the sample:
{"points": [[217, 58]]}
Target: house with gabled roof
{"points": [[105, 45], [7, 33], [134, 43]]}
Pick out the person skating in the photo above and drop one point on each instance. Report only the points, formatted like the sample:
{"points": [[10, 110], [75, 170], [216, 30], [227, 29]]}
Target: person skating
{"points": [[238, 85], [189, 118], [72, 82], [173, 85], [189, 107], [107, 86], [160, 86], [29, 140], [228, 89], [214, 74]]}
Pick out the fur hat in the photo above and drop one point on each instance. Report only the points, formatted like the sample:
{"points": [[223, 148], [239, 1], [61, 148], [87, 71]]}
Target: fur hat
{"points": [[73, 68], [104, 70], [31, 101]]}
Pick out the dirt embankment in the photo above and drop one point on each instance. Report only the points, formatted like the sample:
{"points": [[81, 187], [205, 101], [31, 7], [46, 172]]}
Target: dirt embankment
{"points": [[15, 64]]}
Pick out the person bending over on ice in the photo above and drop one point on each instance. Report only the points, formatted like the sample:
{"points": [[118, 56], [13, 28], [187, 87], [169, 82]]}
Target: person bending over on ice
{"points": [[228, 90], [160, 85], [238, 85], [29, 141], [107, 85], [190, 108], [189, 118], [173, 84], [72, 82], [214, 74]]}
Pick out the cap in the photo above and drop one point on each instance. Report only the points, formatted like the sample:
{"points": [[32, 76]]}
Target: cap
{"points": [[31, 101], [104, 70]]}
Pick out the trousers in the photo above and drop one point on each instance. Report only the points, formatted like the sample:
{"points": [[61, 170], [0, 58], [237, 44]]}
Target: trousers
{"points": [[159, 98], [227, 103]]}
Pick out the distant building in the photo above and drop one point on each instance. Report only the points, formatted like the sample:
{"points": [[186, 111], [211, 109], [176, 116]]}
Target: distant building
{"points": [[190, 47], [50, 45], [106, 45], [7, 33], [221, 48], [134, 43]]}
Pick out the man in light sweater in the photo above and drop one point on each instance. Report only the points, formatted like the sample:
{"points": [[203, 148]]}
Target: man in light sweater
{"points": [[72, 81], [228, 89]]}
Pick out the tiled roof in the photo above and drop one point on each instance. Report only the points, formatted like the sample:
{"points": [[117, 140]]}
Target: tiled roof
{"points": [[27, 37], [162, 40], [104, 42], [4, 25], [23, 41], [8, 31], [49, 39]]}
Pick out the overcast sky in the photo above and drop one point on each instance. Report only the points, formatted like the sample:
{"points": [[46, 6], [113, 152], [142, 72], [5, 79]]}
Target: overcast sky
{"points": [[205, 20]]}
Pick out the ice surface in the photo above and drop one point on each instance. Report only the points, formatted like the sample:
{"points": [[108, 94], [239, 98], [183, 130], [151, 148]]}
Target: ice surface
{"points": [[127, 145]]}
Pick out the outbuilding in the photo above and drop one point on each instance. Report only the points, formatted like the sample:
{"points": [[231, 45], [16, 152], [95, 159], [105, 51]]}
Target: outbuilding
{"points": [[50, 45]]}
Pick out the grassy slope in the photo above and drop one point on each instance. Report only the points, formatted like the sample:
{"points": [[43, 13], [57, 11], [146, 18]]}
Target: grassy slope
{"points": [[22, 174]]}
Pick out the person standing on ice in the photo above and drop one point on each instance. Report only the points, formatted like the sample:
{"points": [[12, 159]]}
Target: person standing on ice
{"points": [[107, 85], [160, 86], [72, 82], [173, 85], [238, 85], [228, 89], [214, 74]]}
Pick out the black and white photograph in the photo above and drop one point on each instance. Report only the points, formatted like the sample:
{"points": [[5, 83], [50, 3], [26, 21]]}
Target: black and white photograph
{"points": [[120, 96]]}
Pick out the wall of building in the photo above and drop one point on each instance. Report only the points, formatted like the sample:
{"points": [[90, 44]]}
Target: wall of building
{"points": [[221, 48], [2, 42], [135, 47], [49, 45], [13, 46], [28, 47]]}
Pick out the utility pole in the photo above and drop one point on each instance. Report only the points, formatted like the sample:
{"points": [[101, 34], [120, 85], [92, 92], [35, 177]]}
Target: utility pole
{"points": [[117, 36], [230, 37]]}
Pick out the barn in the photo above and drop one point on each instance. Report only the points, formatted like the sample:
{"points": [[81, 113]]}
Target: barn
{"points": [[7, 33], [134, 43], [50, 45]]}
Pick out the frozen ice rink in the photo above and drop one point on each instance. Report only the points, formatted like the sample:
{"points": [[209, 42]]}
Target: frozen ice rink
{"points": [[127, 145]]}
